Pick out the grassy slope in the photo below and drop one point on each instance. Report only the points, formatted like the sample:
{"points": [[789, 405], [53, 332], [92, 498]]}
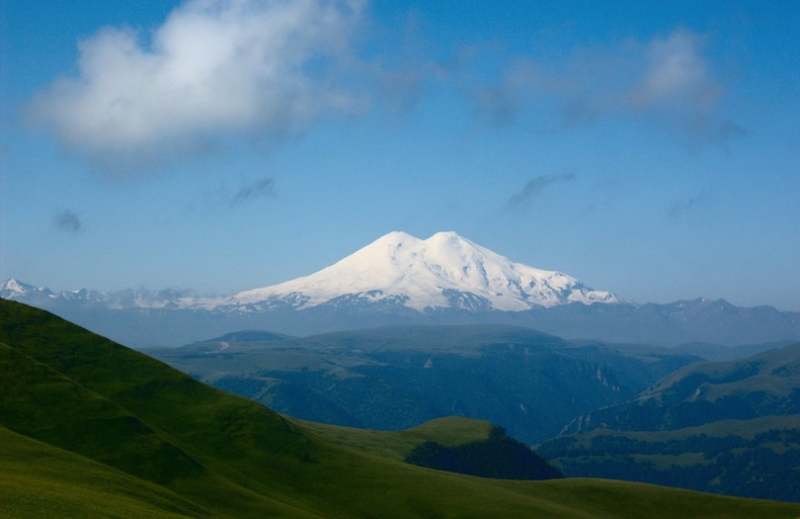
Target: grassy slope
{"points": [[450, 431], [233, 457], [37, 479], [766, 384], [774, 371], [661, 449], [756, 457], [739, 428]]}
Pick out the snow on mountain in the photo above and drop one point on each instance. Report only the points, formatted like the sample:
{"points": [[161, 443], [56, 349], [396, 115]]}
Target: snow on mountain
{"points": [[12, 286], [118, 300], [15, 289], [388, 281], [443, 271]]}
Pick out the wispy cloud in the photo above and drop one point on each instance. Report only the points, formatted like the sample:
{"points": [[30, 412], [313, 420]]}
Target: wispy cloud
{"points": [[667, 81], [264, 187], [213, 68], [67, 221], [679, 208], [535, 187], [498, 105]]}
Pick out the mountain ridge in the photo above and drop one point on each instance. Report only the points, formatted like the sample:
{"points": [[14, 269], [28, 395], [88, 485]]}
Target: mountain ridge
{"points": [[721, 426], [443, 271], [763, 384], [402, 280]]}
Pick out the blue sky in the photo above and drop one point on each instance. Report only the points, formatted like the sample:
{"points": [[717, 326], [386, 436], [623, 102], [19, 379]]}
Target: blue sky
{"points": [[650, 150]]}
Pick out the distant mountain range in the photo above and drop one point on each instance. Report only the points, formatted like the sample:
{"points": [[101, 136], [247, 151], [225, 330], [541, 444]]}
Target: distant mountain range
{"points": [[402, 280], [445, 271]]}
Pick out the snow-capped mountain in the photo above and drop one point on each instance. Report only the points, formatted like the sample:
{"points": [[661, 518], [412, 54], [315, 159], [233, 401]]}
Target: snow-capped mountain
{"points": [[443, 271], [15, 289], [401, 280], [119, 299]]}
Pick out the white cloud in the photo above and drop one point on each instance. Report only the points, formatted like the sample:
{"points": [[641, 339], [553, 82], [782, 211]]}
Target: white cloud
{"points": [[220, 68], [212, 68], [677, 71]]}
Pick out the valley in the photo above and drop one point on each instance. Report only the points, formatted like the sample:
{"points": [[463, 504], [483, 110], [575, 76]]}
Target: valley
{"points": [[621, 411], [398, 377]]}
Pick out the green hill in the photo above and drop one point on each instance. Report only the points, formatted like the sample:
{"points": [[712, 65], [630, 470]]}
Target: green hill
{"points": [[91, 428], [453, 443], [39, 480], [729, 427], [765, 384], [450, 431], [754, 458]]}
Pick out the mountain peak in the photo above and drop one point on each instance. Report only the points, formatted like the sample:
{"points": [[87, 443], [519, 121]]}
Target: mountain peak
{"points": [[444, 271], [14, 286], [396, 237], [446, 235]]}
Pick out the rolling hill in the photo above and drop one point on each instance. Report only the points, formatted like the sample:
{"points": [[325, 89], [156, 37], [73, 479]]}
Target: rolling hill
{"points": [[91, 428], [729, 427], [760, 385], [759, 457]]}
